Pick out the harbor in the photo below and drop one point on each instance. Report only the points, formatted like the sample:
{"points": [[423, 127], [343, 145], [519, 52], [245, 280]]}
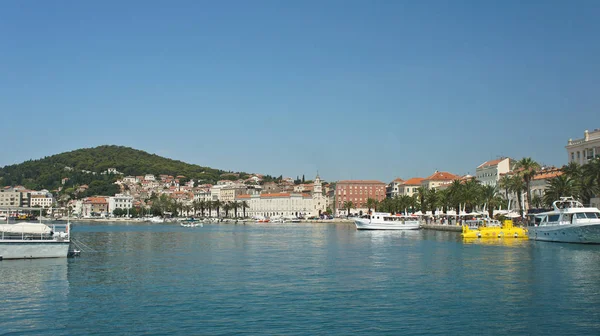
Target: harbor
{"points": [[309, 277]]}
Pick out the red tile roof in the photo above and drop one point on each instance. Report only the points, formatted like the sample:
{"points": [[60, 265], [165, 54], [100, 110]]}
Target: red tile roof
{"points": [[360, 182], [243, 196], [398, 180], [276, 195], [442, 176], [548, 174], [490, 163], [413, 181]]}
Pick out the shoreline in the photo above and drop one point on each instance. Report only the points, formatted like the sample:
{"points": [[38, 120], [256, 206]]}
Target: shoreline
{"points": [[127, 220]]}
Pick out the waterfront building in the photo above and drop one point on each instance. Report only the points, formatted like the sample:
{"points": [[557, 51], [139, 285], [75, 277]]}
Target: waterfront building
{"points": [[357, 192], [119, 201], [585, 149], [541, 180], [488, 173], [438, 179], [286, 204], [410, 186], [41, 200], [229, 192], [10, 197], [94, 206], [393, 188]]}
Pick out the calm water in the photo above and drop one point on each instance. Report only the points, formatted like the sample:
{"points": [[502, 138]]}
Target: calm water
{"points": [[300, 279]]}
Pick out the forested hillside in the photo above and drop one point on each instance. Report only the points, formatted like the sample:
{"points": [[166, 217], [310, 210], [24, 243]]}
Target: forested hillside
{"points": [[47, 173]]}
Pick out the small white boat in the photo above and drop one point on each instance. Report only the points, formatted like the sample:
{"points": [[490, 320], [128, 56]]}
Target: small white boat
{"points": [[569, 222], [156, 220], [387, 221], [192, 224]]}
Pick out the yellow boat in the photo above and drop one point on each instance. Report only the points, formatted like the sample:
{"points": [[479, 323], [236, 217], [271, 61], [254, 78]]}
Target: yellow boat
{"points": [[492, 229]]}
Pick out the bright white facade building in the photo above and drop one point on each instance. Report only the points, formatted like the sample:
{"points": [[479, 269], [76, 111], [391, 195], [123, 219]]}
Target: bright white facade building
{"points": [[119, 201], [488, 173], [582, 150]]}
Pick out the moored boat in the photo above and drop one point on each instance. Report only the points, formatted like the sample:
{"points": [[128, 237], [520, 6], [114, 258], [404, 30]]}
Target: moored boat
{"points": [[490, 228], [387, 221], [29, 240], [568, 222]]}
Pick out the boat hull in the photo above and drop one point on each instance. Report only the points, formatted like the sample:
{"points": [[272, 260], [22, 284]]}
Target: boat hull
{"points": [[27, 249], [571, 233], [368, 225]]}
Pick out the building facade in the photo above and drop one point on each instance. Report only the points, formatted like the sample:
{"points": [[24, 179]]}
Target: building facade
{"points": [[286, 204], [410, 186], [10, 197], [488, 173], [438, 179], [393, 188], [357, 192], [119, 201], [94, 206], [585, 149]]}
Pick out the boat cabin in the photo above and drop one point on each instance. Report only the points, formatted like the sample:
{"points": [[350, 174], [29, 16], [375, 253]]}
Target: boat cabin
{"points": [[566, 211]]}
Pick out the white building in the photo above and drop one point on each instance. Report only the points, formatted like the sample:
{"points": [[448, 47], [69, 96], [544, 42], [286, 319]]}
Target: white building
{"points": [[393, 188], [149, 177], [131, 179], [286, 204], [582, 150], [119, 201], [42, 201], [488, 173]]}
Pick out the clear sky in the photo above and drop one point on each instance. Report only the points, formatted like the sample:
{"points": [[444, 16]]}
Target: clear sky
{"points": [[353, 89]]}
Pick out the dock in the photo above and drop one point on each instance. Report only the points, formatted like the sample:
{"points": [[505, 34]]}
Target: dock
{"points": [[438, 227]]}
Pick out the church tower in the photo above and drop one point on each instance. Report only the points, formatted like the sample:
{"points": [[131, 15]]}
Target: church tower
{"points": [[319, 201]]}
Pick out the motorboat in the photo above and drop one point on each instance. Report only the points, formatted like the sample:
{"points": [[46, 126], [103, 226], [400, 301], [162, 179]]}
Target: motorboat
{"points": [[387, 221], [491, 228], [568, 222]]}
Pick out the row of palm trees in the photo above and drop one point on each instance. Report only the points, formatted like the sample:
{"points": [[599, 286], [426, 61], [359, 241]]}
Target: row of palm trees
{"points": [[582, 182], [164, 204], [579, 181]]}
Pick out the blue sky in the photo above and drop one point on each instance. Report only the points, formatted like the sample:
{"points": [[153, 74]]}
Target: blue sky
{"points": [[353, 89]]}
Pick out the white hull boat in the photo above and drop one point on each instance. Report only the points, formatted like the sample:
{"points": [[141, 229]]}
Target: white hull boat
{"points": [[569, 222], [386, 221], [33, 240]]}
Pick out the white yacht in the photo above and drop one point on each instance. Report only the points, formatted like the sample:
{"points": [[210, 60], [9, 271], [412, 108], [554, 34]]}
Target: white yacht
{"points": [[569, 222], [387, 221], [29, 240]]}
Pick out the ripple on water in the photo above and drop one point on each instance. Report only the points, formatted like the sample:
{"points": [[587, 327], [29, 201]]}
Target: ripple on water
{"points": [[301, 279]]}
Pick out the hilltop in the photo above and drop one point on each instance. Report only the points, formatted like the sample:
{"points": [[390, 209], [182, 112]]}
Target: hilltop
{"points": [[87, 165]]}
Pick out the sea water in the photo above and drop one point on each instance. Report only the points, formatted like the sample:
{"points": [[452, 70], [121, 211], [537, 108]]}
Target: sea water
{"points": [[300, 279]]}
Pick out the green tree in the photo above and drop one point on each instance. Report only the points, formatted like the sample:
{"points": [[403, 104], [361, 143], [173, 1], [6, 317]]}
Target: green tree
{"points": [[527, 168], [560, 186], [118, 212], [348, 205], [371, 203], [244, 206]]}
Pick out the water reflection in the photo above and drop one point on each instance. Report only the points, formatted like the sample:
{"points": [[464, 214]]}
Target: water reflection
{"points": [[32, 292], [497, 242]]}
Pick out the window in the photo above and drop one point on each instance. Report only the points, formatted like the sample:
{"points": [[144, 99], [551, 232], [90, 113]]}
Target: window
{"points": [[578, 155], [573, 156]]}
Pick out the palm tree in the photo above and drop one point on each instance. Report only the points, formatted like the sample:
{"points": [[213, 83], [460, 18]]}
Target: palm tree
{"points": [[348, 205], [489, 195], [209, 206], [202, 206], [558, 187], [537, 202], [244, 206], [235, 206], [195, 206], [217, 206], [189, 208], [517, 186], [528, 169], [421, 197], [371, 203], [504, 183], [226, 207]]}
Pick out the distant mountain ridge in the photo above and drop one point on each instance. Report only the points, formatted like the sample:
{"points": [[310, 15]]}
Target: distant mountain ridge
{"points": [[47, 173]]}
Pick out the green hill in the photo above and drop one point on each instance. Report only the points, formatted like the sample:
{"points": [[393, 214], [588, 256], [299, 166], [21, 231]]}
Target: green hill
{"points": [[47, 173]]}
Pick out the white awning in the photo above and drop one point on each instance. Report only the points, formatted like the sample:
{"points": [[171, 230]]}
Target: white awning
{"points": [[30, 228]]}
